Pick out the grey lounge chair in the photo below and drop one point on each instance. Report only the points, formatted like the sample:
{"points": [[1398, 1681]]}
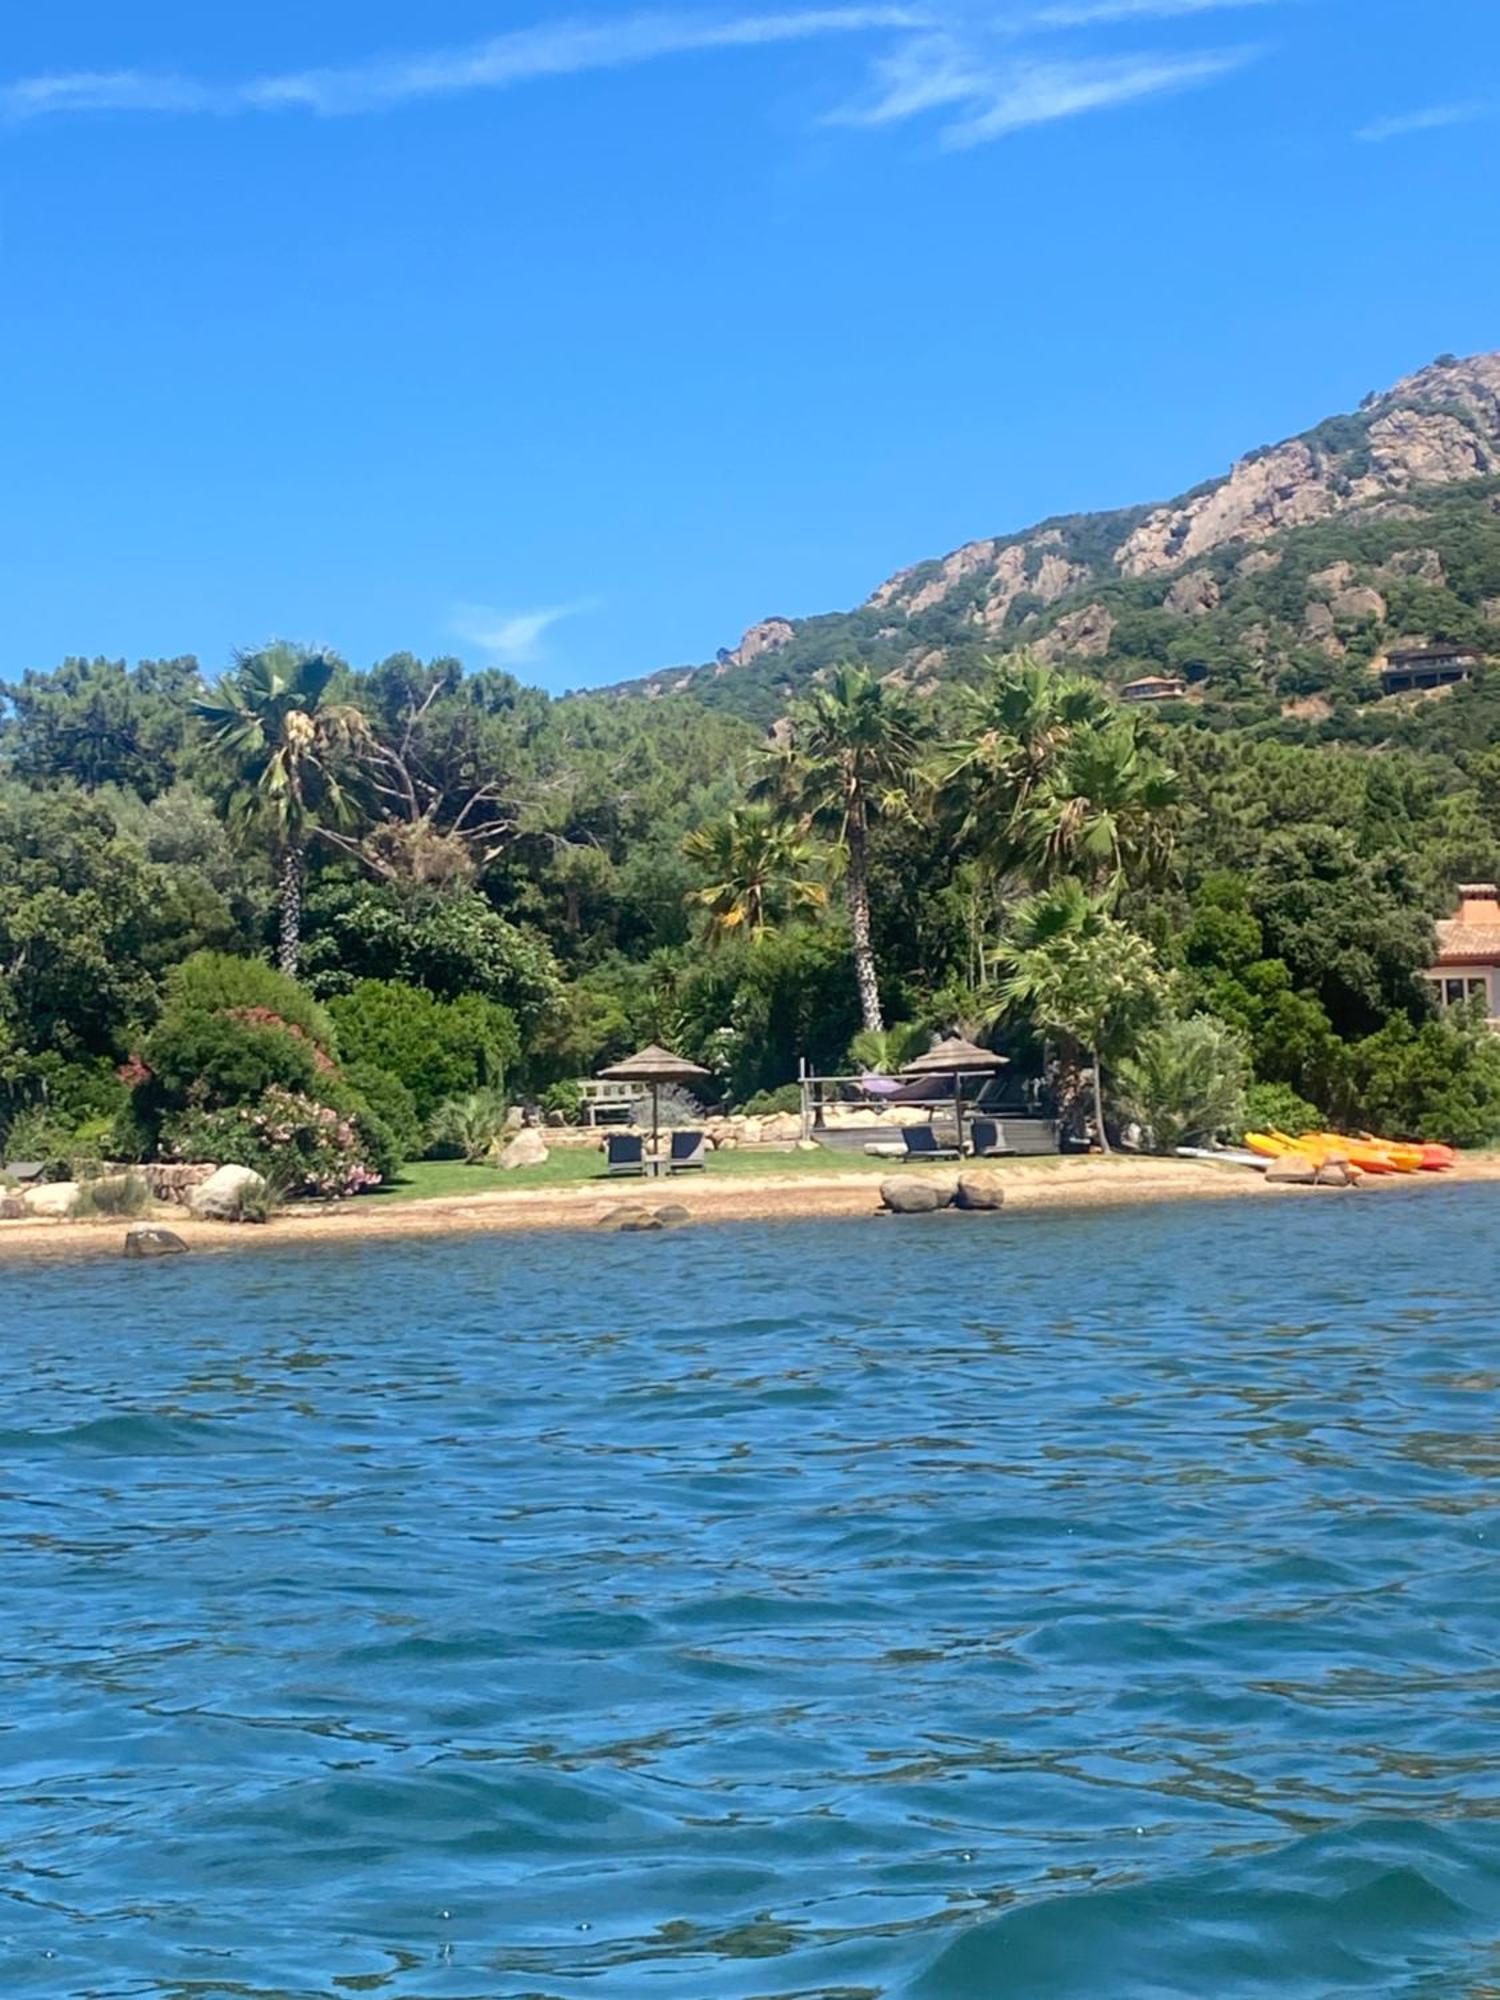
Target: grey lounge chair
{"points": [[989, 1139], [922, 1143], [626, 1153], [689, 1149]]}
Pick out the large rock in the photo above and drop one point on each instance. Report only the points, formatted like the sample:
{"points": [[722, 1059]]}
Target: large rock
{"points": [[527, 1149], [219, 1198], [981, 1191], [1292, 1170], [672, 1215], [913, 1197], [153, 1243], [53, 1199], [1336, 1173], [12, 1208]]}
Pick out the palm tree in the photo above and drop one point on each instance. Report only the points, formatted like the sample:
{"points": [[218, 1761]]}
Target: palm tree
{"points": [[1082, 976], [290, 752], [1016, 726], [850, 756], [757, 868], [1103, 813]]}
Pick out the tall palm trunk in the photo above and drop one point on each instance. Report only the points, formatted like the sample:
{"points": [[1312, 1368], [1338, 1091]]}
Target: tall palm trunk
{"points": [[858, 885], [289, 948]]}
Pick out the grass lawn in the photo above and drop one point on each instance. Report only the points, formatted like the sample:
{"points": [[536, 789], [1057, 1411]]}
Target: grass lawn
{"points": [[573, 1166]]}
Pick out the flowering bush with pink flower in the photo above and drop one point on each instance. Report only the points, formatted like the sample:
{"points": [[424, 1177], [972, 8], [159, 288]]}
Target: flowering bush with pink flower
{"points": [[302, 1147]]}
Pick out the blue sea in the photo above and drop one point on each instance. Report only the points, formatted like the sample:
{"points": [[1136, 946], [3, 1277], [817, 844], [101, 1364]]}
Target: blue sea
{"points": [[1094, 1606]]}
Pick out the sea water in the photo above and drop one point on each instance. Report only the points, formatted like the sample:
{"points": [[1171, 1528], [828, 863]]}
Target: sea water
{"points": [[1084, 1605]]}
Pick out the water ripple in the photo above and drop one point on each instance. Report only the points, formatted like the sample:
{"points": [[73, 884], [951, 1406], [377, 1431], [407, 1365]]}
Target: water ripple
{"points": [[1091, 1605]]}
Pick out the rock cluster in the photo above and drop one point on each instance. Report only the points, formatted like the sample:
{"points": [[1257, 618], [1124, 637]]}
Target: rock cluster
{"points": [[979, 1193], [635, 1218]]}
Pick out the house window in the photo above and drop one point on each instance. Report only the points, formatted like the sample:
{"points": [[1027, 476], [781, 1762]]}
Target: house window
{"points": [[1454, 992]]}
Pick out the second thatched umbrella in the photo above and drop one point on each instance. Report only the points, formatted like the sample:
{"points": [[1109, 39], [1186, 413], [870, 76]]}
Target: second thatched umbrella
{"points": [[655, 1066], [959, 1059]]}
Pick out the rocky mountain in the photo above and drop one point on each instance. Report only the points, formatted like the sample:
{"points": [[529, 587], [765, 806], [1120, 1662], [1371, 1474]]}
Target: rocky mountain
{"points": [[1271, 590]]}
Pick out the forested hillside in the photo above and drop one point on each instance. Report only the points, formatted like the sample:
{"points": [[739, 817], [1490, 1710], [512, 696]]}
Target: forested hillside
{"points": [[321, 918], [1272, 589]]}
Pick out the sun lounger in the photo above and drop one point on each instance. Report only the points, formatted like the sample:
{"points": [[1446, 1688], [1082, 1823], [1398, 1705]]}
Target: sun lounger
{"points": [[689, 1149], [989, 1138], [922, 1143], [625, 1153]]}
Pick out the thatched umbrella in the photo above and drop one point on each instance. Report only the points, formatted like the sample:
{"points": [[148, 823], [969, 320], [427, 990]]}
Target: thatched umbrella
{"points": [[656, 1066], [959, 1059]]}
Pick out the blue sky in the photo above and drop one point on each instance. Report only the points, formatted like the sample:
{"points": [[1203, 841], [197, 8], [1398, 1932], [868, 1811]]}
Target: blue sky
{"points": [[575, 341]]}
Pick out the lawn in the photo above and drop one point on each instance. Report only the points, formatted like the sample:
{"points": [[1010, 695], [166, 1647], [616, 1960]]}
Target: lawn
{"points": [[572, 1166]]}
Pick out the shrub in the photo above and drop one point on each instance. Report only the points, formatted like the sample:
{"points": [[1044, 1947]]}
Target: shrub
{"points": [[213, 982], [37, 1134], [115, 1194], [1440, 1081], [1276, 1107], [468, 1127], [439, 1049], [1183, 1082], [565, 1097], [765, 1103], [300, 1146], [388, 1099], [213, 1062]]}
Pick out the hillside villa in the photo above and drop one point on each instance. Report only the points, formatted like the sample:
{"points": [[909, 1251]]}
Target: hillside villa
{"points": [[1155, 687], [1468, 953], [1407, 668]]}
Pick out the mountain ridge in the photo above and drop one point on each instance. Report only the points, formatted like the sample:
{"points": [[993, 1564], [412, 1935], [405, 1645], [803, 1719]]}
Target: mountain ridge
{"points": [[1390, 504]]}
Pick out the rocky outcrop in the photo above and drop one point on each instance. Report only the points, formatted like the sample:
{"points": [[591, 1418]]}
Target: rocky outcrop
{"points": [[1080, 635], [1359, 605], [1195, 594], [1437, 427], [769, 636], [1426, 565]]}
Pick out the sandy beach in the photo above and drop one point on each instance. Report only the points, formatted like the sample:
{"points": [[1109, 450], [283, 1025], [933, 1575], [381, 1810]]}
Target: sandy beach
{"points": [[1081, 1183]]}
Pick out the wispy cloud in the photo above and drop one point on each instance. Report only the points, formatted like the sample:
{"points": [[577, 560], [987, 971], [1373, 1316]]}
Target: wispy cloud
{"points": [[998, 91], [510, 638], [987, 67], [527, 55], [1100, 13], [1432, 118]]}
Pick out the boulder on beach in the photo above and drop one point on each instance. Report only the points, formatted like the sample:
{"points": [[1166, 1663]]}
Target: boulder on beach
{"points": [[220, 1197], [1292, 1170], [12, 1208], [147, 1242], [1336, 1173], [626, 1221], [672, 1215], [527, 1149], [53, 1199], [981, 1191], [913, 1197]]}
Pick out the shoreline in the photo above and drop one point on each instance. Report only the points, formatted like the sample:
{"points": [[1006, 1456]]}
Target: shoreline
{"points": [[1081, 1183]]}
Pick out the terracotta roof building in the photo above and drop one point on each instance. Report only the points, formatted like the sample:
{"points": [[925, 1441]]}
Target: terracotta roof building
{"points": [[1468, 953], [1155, 687]]}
